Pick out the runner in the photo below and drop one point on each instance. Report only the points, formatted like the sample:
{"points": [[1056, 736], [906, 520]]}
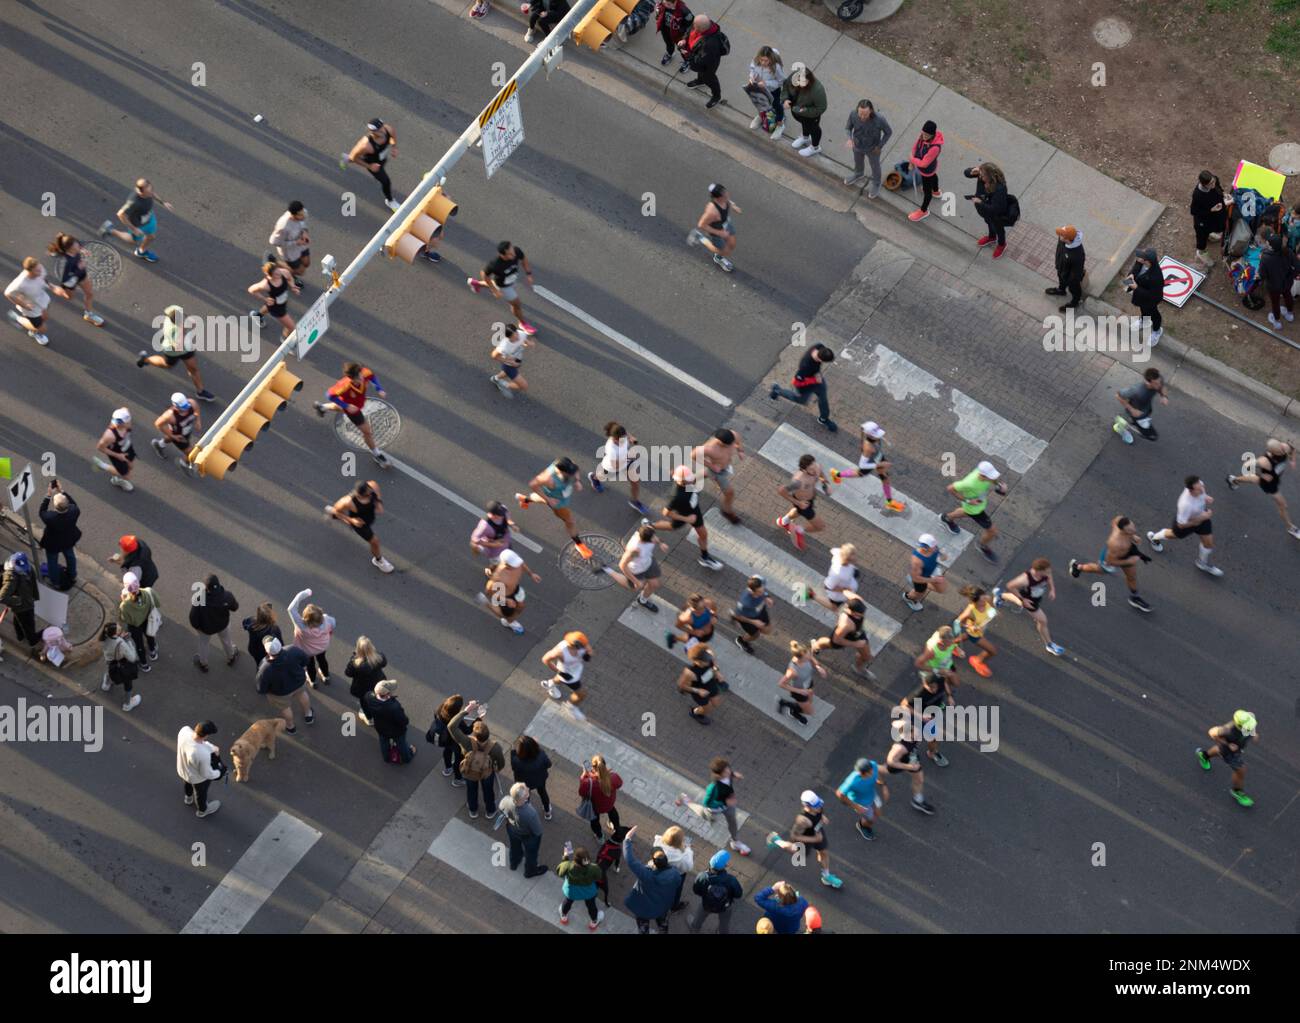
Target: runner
{"points": [[348, 396], [567, 659], [715, 231], [1137, 401], [841, 581], [696, 622], [923, 572], [138, 217], [683, 509], [358, 509], [973, 490], [509, 353], [174, 346], [934, 692], [1230, 742], [503, 595], [617, 460], [902, 759], [373, 151], [1192, 516], [1120, 553], [1277, 457], [865, 793], [274, 287], [115, 445], [500, 276], [937, 657], [848, 634], [801, 492], [798, 682], [554, 487], [972, 622], [29, 294], [808, 381], [871, 461], [492, 534], [73, 273], [809, 832], [177, 425], [639, 570], [719, 798], [292, 240], [716, 454], [701, 681], [751, 612], [1026, 592]]}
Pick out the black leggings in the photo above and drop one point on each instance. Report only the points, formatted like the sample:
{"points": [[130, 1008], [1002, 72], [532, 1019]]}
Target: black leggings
{"points": [[812, 127], [1203, 229], [670, 45], [317, 666], [144, 643], [996, 228], [1154, 313], [381, 176], [795, 709], [592, 911], [613, 822], [929, 189]]}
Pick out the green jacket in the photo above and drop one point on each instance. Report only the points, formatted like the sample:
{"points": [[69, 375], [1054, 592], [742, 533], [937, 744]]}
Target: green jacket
{"points": [[18, 590], [136, 612], [808, 102]]}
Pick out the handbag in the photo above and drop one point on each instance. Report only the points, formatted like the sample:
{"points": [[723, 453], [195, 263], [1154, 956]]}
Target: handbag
{"points": [[585, 808], [394, 752], [154, 622]]}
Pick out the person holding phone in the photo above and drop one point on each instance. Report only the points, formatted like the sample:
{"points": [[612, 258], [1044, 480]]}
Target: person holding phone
{"points": [[1209, 215]]}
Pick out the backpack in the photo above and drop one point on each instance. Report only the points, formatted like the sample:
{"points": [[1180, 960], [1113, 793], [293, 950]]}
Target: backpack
{"points": [[477, 763], [716, 896], [122, 670], [724, 43], [1013, 212]]}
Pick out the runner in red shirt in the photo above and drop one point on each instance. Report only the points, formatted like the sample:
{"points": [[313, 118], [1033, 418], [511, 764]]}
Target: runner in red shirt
{"points": [[348, 397]]}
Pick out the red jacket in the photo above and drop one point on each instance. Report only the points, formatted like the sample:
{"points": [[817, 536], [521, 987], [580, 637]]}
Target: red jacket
{"points": [[589, 788], [925, 155], [677, 17]]}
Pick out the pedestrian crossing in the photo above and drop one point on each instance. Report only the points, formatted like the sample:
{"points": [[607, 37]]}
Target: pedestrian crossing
{"points": [[747, 676]]}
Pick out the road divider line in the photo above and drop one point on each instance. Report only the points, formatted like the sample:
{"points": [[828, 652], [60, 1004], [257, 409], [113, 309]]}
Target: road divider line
{"points": [[636, 349], [459, 501]]}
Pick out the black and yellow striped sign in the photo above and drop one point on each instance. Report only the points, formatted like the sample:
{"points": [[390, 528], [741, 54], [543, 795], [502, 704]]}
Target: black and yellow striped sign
{"points": [[496, 104]]}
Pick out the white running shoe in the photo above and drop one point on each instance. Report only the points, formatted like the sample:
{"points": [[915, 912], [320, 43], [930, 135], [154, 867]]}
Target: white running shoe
{"points": [[1206, 567], [93, 318], [132, 703], [382, 563], [1155, 543], [800, 142], [392, 204], [777, 132], [122, 483], [810, 150], [758, 119]]}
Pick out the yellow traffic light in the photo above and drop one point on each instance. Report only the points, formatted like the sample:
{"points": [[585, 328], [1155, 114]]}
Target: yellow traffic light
{"points": [[600, 22], [421, 226], [246, 423]]}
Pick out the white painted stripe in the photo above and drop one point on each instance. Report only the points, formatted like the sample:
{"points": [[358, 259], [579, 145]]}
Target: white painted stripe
{"points": [[635, 348], [864, 497], [748, 677], [455, 498], [749, 554], [244, 890], [481, 856], [646, 780], [980, 426]]}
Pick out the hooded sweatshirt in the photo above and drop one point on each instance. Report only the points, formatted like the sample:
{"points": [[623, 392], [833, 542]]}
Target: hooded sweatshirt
{"points": [[768, 77], [785, 919], [18, 590], [925, 154], [310, 639], [1070, 259], [213, 615], [1150, 282], [1277, 265], [683, 860]]}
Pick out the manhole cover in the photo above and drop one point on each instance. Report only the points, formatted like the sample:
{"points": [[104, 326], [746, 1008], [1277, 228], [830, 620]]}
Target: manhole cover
{"points": [[384, 422], [104, 264], [586, 573], [1285, 158], [1112, 33]]}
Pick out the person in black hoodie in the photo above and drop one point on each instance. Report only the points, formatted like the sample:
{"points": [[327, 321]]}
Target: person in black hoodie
{"points": [[1277, 267], [1209, 215], [136, 557], [1146, 283], [260, 625], [366, 669], [59, 512], [211, 617], [530, 765], [1069, 266], [702, 48], [990, 200], [390, 721]]}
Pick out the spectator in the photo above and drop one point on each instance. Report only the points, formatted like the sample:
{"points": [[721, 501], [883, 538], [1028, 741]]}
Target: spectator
{"points": [[19, 593], [704, 48], [1069, 266], [366, 669], [599, 784], [806, 98], [990, 200], [530, 764], [543, 16], [764, 91], [1146, 283], [1209, 215], [635, 21], [136, 557], [59, 512], [655, 891], [212, 618], [783, 906], [676, 845], [482, 758], [137, 604], [261, 625], [282, 677], [197, 763], [925, 162], [121, 664], [385, 712], [672, 20], [439, 735], [718, 891], [1277, 267], [580, 884], [524, 829], [312, 631], [869, 133]]}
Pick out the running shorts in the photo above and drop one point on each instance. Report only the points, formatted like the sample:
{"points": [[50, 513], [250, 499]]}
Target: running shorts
{"points": [[1204, 529]]}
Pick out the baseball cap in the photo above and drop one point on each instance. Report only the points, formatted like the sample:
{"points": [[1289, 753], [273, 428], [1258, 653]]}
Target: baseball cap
{"points": [[128, 543], [272, 646], [872, 429], [375, 123], [576, 639], [810, 798], [180, 401], [927, 540], [510, 559], [863, 765], [716, 190], [122, 415], [988, 470], [1244, 720], [682, 475]]}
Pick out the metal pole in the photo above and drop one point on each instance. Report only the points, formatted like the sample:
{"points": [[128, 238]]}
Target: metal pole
{"points": [[1246, 319], [31, 540], [436, 176]]}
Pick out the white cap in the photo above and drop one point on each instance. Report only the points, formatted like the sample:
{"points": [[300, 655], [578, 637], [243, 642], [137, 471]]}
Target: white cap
{"points": [[180, 401], [988, 470], [927, 540], [122, 415], [510, 559], [810, 798], [683, 475], [872, 429], [272, 646]]}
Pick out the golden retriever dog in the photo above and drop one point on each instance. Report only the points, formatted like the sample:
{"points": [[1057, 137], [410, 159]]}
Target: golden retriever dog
{"points": [[260, 735]]}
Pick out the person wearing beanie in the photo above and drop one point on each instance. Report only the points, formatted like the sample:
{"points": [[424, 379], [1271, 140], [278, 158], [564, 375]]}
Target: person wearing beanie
{"points": [[1278, 268], [1230, 741], [805, 96], [59, 512], [211, 617], [1209, 214], [1146, 284], [134, 555], [282, 678], [381, 706], [655, 892], [173, 345], [137, 602], [199, 766], [992, 203], [19, 593], [718, 890], [925, 161], [1070, 262]]}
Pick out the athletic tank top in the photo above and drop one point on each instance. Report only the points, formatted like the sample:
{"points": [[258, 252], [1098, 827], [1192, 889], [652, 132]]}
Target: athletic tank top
{"points": [[497, 530], [183, 422], [701, 618], [379, 150], [724, 215], [118, 443], [1035, 587], [365, 511], [978, 619], [276, 294], [558, 489], [928, 561], [803, 673]]}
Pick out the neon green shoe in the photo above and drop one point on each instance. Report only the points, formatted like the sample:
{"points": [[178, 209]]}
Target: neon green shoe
{"points": [[1203, 759], [1241, 797]]}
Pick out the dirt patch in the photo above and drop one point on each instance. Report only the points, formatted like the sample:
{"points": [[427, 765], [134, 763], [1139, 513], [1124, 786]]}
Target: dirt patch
{"points": [[1201, 84]]}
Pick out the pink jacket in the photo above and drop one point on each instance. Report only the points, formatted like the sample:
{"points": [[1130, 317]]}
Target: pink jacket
{"points": [[925, 155], [310, 639]]}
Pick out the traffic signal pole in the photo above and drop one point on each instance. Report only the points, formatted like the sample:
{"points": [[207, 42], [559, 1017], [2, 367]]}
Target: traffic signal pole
{"points": [[434, 178]]}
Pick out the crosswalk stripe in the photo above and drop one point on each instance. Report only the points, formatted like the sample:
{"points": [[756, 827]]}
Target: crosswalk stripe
{"points": [[646, 780], [864, 497], [996, 436], [250, 882], [748, 677], [477, 855], [749, 554]]}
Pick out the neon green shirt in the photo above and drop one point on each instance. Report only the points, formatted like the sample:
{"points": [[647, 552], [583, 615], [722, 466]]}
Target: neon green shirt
{"points": [[940, 656], [973, 489]]}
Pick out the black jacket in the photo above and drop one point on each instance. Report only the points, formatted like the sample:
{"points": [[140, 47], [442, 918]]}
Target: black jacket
{"points": [[140, 561], [256, 636], [711, 878], [284, 674], [213, 614], [18, 590], [532, 773], [364, 678], [387, 716], [994, 204], [1277, 266], [61, 532], [1150, 289], [1069, 263], [706, 54], [1201, 204]]}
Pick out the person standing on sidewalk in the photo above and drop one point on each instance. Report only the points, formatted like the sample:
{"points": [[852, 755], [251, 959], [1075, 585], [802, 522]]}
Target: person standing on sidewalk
{"points": [[714, 230], [439, 735], [672, 21], [121, 664], [481, 758], [1209, 215], [72, 272], [1193, 516], [282, 679], [703, 50], [524, 830], [991, 203], [1230, 741], [655, 892], [259, 626], [138, 217], [808, 381], [805, 97], [1137, 401], [174, 345], [500, 277], [137, 603], [530, 764], [366, 670], [196, 763], [211, 617], [1278, 456], [135, 556], [925, 162], [292, 240], [868, 133], [1146, 284], [59, 513], [718, 890], [764, 91], [18, 592], [389, 718], [1070, 266], [1278, 267], [600, 785], [373, 151], [581, 878], [359, 509], [312, 631], [30, 296]]}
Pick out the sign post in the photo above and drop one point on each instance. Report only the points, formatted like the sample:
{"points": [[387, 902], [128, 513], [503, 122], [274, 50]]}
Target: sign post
{"points": [[502, 127], [21, 490], [312, 325], [1180, 281]]}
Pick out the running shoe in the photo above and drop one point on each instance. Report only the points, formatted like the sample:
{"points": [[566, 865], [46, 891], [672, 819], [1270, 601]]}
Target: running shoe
{"points": [[1295, 531], [1241, 797], [989, 554], [918, 215], [712, 103], [524, 501], [1155, 543], [585, 551], [800, 142], [864, 671], [997, 253], [922, 806], [731, 517], [866, 832], [1135, 601], [474, 286], [983, 240], [527, 328], [1208, 568], [206, 395], [745, 645], [159, 446], [830, 424], [319, 407], [310, 717], [577, 714], [835, 473], [132, 703], [710, 562], [648, 605], [830, 880], [383, 564], [187, 467], [799, 541], [784, 525], [1231, 480], [997, 597], [431, 256], [563, 917], [952, 526], [141, 358], [148, 255], [699, 719], [1055, 649], [807, 151], [344, 160], [1121, 427], [772, 838], [914, 605], [596, 485], [593, 924], [1202, 759], [670, 641], [895, 506], [851, 180], [200, 665], [122, 483], [738, 847], [392, 204], [695, 237], [724, 263], [981, 669], [663, 61], [940, 760], [383, 460], [105, 228], [1074, 568], [638, 507], [502, 385], [93, 318]]}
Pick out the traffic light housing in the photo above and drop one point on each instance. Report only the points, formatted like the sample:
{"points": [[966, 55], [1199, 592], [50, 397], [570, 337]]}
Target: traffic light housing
{"points": [[421, 226], [600, 22], [247, 422]]}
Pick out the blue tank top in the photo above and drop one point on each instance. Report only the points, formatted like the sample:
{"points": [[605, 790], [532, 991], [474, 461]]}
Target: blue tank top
{"points": [[927, 562], [699, 619]]}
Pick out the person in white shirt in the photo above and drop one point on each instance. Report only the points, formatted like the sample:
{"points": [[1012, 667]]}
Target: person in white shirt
{"points": [[194, 764], [620, 461], [292, 241], [841, 582], [1193, 516], [567, 659], [29, 294], [638, 570], [509, 354]]}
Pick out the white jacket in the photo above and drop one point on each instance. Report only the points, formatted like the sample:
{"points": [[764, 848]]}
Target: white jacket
{"points": [[119, 647], [194, 757], [683, 860]]}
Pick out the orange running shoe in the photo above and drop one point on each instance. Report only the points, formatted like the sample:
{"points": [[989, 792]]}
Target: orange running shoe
{"points": [[582, 549], [981, 669], [895, 506]]}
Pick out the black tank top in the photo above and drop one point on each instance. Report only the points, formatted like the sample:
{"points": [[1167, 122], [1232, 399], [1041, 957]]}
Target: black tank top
{"points": [[377, 150], [1035, 587], [276, 295], [183, 422], [724, 215], [365, 511]]}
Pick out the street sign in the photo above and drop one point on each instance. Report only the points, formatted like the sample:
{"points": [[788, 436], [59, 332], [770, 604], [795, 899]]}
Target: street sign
{"points": [[502, 127], [21, 489], [312, 324], [1180, 281]]}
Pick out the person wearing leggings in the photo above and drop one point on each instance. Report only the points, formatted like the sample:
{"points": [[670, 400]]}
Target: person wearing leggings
{"points": [[925, 161], [805, 97], [673, 19], [373, 151], [599, 784]]}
